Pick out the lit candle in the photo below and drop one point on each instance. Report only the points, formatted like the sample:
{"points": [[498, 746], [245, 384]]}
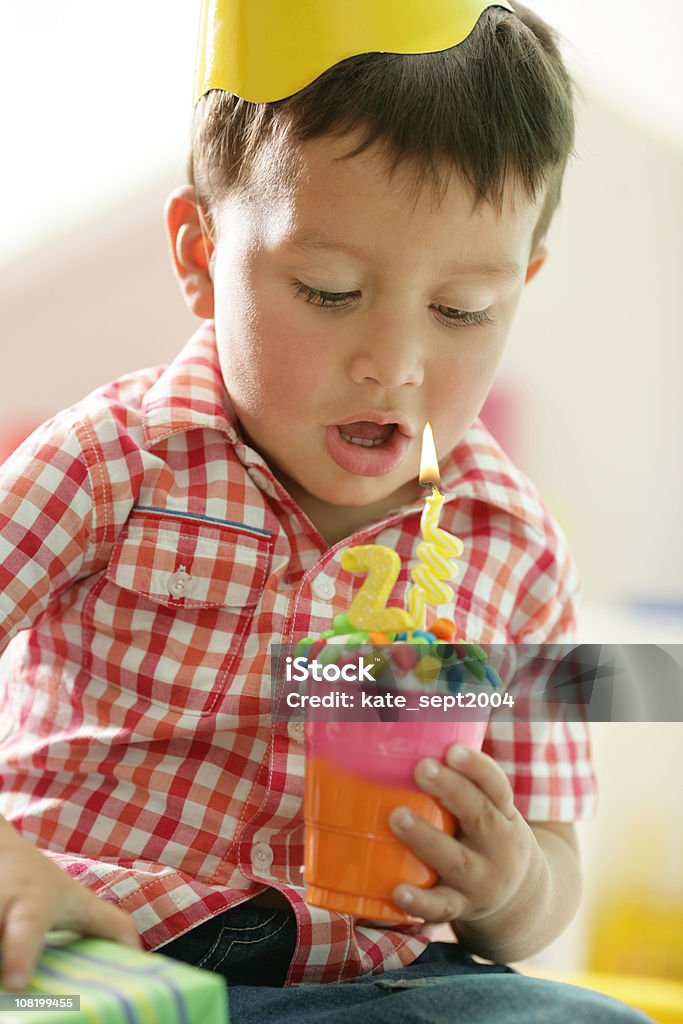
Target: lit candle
{"points": [[437, 547]]}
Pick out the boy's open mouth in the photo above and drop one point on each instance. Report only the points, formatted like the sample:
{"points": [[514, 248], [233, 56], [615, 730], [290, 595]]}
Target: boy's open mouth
{"points": [[366, 447], [367, 434]]}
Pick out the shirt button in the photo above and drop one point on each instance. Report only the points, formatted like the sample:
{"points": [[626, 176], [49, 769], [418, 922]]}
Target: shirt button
{"points": [[295, 731], [324, 588], [261, 857], [177, 583]]}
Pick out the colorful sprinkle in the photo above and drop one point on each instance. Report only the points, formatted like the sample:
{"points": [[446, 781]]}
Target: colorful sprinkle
{"points": [[423, 637], [493, 677], [454, 678], [303, 647], [427, 669], [380, 665], [477, 669], [357, 639], [443, 629], [330, 654], [341, 624], [447, 654], [406, 656], [315, 649]]}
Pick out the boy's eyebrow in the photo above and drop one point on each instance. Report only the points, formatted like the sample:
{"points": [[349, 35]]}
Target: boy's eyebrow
{"points": [[506, 269]]}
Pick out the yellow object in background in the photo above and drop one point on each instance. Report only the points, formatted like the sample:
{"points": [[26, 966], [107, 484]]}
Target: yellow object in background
{"points": [[660, 998], [634, 939], [265, 50], [638, 935]]}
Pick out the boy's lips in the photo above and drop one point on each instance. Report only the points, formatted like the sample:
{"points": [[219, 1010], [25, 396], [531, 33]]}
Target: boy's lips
{"points": [[369, 443]]}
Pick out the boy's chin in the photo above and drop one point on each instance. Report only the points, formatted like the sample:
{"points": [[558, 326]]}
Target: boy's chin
{"points": [[359, 492], [351, 491]]}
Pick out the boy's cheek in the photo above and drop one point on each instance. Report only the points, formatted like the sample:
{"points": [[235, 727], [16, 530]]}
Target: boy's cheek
{"points": [[454, 403]]}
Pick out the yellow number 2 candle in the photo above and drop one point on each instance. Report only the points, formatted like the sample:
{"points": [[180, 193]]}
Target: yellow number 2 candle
{"points": [[438, 546], [368, 611]]}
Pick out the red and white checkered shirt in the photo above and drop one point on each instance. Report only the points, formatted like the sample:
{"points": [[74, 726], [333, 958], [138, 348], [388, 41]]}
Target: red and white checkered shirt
{"points": [[148, 559]]}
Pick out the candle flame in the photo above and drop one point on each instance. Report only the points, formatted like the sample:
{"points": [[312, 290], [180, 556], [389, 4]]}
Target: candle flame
{"points": [[429, 465]]}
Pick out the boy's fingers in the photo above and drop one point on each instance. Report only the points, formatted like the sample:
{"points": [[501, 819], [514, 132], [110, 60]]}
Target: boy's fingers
{"points": [[479, 779], [456, 863], [442, 903], [25, 924], [485, 773], [101, 919], [477, 816]]}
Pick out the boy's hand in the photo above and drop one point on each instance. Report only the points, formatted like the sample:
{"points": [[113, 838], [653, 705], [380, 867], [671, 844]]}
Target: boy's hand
{"points": [[494, 866], [35, 896]]}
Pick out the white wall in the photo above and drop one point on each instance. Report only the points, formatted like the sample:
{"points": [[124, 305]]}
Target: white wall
{"points": [[96, 98], [87, 308], [596, 355]]}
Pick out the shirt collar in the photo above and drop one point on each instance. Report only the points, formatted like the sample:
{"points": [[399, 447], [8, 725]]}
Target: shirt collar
{"points": [[478, 468], [190, 393]]}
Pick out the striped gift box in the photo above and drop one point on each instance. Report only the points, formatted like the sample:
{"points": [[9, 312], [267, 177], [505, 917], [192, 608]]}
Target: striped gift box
{"points": [[118, 985]]}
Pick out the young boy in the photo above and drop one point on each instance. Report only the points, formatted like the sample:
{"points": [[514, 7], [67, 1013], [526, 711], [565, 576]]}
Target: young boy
{"points": [[356, 251]]}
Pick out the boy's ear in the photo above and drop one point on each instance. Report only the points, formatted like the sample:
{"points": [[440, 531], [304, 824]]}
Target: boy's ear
{"points": [[191, 250], [536, 262]]}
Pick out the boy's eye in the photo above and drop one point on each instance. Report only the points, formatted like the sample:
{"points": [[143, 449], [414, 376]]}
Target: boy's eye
{"points": [[320, 298], [464, 318], [339, 300]]}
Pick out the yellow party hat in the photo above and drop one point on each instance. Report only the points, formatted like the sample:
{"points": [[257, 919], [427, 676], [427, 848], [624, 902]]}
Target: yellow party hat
{"points": [[265, 50]]}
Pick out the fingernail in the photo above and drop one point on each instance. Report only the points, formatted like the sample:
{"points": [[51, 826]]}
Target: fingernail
{"points": [[430, 769], [405, 819], [457, 755], [406, 896]]}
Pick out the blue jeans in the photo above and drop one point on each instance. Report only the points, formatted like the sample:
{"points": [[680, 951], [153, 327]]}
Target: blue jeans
{"points": [[252, 947]]}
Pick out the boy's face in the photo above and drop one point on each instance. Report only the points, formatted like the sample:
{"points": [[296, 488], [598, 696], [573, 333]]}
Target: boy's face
{"points": [[349, 312]]}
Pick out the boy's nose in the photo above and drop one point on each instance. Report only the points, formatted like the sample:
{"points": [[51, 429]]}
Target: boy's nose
{"points": [[388, 354]]}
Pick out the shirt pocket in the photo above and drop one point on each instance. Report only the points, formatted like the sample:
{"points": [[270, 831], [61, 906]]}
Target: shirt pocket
{"points": [[169, 618]]}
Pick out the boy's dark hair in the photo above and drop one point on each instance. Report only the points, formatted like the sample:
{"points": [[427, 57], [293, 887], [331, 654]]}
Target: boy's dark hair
{"points": [[498, 106]]}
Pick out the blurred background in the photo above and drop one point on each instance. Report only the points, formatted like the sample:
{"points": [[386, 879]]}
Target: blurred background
{"points": [[95, 116]]}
